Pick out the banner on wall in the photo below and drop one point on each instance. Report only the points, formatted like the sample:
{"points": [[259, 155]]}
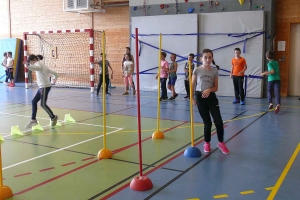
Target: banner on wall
{"points": [[13, 45]]}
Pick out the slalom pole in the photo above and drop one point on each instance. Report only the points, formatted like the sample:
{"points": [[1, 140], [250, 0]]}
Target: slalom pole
{"points": [[192, 151], [104, 153], [158, 134], [5, 191], [140, 183]]}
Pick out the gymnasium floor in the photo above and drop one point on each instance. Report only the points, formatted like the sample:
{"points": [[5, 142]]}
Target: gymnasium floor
{"points": [[60, 163]]}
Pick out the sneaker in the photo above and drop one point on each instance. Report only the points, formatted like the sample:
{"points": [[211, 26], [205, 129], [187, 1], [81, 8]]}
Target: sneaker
{"points": [[172, 98], [5, 83], [223, 147], [186, 97], [11, 85], [108, 94], [207, 147], [242, 103], [175, 96], [54, 120], [236, 101], [31, 123], [270, 106], [134, 92], [125, 93], [277, 109]]}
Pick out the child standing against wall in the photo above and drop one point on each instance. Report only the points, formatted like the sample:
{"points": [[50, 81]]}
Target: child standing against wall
{"points": [[186, 71], [205, 78], [172, 76], [127, 73], [10, 69], [164, 68], [238, 69], [107, 64], [273, 81], [4, 63]]}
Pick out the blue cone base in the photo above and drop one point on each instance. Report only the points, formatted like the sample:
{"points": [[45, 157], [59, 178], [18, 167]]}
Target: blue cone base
{"points": [[192, 152]]}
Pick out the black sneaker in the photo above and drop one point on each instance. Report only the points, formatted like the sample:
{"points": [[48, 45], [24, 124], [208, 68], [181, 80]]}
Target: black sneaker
{"points": [[186, 97], [172, 98], [175, 96]]}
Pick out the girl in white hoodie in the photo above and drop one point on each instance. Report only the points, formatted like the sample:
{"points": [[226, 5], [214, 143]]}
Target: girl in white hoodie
{"points": [[42, 74]]}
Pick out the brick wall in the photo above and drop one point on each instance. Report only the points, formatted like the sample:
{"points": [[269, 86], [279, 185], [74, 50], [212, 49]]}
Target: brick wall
{"points": [[35, 15]]}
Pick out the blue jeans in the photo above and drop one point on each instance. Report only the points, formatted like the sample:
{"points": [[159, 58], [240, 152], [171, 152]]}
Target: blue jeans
{"points": [[163, 85], [274, 85]]}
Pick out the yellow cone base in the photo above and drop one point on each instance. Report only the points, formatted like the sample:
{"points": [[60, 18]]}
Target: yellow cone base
{"points": [[37, 128], [1, 138], [5, 192], [104, 154], [158, 135], [69, 119], [15, 131]]}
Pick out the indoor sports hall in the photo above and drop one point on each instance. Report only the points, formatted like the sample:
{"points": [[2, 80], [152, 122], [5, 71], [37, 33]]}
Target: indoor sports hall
{"points": [[87, 139]]}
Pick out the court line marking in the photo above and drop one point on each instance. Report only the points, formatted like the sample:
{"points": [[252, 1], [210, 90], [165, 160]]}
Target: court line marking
{"points": [[284, 173], [52, 152]]}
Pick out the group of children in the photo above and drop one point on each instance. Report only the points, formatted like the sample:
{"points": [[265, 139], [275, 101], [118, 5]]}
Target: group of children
{"points": [[8, 64], [203, 91]]}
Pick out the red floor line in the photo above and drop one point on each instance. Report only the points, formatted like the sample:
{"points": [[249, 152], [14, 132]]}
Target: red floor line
{"points": [[153, 169], [67, 164], [47, 169], [16, 176], [73, 170], [87, 159], [54, 178]]}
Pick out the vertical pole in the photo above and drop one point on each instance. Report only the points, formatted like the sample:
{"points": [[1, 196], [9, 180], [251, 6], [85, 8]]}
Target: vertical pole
{"points": [[138, 99], [92, 71], [191, 103], [158, 82], [104, 89], [25, 59]]}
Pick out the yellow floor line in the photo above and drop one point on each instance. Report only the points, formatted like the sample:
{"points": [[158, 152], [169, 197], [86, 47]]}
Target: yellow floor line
{"points": [[283, 174], [247, 192], [269, 188], [221, 196]]}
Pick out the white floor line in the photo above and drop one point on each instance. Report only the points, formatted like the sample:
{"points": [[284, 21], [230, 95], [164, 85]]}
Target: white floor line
{"points": [[58, 150], [58, 120]]}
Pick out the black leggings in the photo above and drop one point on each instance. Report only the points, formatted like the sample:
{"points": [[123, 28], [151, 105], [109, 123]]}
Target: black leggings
{"points": [[100, 83], [210, 106], [238, 83], [42, 94]]}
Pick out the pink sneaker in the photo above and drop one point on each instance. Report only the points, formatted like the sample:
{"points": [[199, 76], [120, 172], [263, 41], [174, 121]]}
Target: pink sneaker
{"points": [[207, 147], [223, 147]]}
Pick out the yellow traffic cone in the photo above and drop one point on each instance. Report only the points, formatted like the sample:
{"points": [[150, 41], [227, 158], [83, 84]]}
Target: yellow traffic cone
{"points": [[241, 2], [37, 127], [15, 131], [69, 119]]}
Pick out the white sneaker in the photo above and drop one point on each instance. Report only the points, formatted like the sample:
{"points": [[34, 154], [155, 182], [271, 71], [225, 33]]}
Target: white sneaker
{"points": [[54, 120], [31, 123]]}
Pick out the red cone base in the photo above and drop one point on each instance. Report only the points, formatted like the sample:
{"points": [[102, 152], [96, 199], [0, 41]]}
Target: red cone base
{"points": [[141, 183], [5, 192]]}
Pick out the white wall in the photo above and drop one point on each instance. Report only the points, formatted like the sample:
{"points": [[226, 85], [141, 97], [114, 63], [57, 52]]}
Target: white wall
{"points": [[181, 45], [153, 2], [234, 22], [229, 22]]}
